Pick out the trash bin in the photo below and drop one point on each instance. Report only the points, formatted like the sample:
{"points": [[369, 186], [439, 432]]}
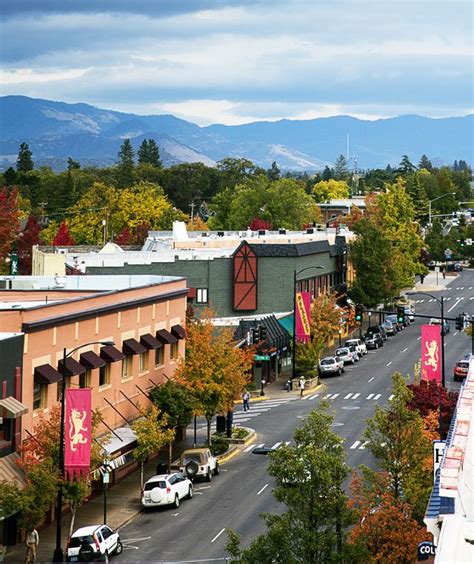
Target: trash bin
{"points": [[161, 468], [220, 424], [289, 385], [229, 420]]}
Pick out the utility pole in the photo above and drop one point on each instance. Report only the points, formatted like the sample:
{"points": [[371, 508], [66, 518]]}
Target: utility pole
{"points": [[192, 205]]}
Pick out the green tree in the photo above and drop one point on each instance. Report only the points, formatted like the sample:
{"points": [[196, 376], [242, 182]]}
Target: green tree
{"points": [[340, 168], [327, 173], [406, 166], [73, 164], [309, 480], [148, 153], [330, 189], [273, 173], [425, 163], [125, 165], [24, 162]]}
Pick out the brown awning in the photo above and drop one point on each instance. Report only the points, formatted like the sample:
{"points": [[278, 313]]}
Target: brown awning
{"points": [[131, 346], [46, 374], [178, 331], [110, 354], [71, 368], [91, 360], [11, 408], [166, 337], [150, 342]]}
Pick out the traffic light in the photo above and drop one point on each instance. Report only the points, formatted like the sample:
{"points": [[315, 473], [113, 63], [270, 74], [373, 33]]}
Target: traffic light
{"points": [[359, 313], [400, 314], [462, 242], [254, 335], [459, 323], [263, 332]]}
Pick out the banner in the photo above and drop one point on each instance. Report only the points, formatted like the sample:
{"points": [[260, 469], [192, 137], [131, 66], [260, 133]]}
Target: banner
{"points": [[77, 432], [303, 300], [431, 352]]}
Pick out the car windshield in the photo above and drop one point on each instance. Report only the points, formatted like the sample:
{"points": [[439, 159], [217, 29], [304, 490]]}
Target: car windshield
{"points": [[327, 361], [77, 541], [195, 457], [351, 343], [155, 484], [391, 318], [342, 352]]}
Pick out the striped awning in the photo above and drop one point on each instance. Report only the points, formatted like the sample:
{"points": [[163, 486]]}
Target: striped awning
{"points": [[11, 408], [10, 471]]}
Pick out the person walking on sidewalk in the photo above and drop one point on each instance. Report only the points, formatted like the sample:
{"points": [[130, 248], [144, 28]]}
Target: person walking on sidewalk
{"points": [[301, 386], [246, 400], [31, 542]]}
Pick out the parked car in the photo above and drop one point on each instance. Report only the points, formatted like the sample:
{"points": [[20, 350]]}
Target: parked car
{"points": [[345, 354], [96, 542], [373, 340], [446, 326], [355, 352], [198, 463], [166, 489], [378, 329], [461, 368], [359, 343], [388, 327], [410, 313], [394, 321], [330, 365]]}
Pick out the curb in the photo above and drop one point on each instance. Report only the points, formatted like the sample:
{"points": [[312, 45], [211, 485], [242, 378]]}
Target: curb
{"points": [[128, 519], [233, 451]]}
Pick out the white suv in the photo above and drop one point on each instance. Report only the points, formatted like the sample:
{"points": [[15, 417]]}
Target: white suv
{"points": [[359, 344], [166, 489], [96, 542]]}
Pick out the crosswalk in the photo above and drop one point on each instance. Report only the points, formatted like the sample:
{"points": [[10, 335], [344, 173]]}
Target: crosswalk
{"points": [[446, 299], [356, 445]]}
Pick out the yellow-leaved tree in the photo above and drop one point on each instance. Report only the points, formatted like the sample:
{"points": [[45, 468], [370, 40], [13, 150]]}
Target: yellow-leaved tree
{"points": [[330, 189]]}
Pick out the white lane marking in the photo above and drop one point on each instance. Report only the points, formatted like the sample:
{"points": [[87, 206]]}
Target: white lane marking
{"points": [[314, 396], [363, 445], [287, 443], [241, 419], [334, 396], [348, 396], [218, 535], [252, 446], [470, 288], [431, 300], [330, 396], [355, 396], [373, 378], [461, 288], [391, 397], [421, 301], [405, 349], [276, 445], [471, 298], [376, 397], [418, 338], [262, 489], [175, 514], [389, 363], [455, 333], [356, 444], [455, 304], [447, 299], [370, 396]]}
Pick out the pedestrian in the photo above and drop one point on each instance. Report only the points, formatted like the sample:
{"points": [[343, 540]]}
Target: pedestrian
{"points": [[31, 542], [422, 278], [301, 386], [246, 400]]}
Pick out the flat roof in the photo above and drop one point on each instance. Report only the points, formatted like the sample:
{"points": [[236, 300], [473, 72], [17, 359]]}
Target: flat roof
{"points": [[7, 335]]}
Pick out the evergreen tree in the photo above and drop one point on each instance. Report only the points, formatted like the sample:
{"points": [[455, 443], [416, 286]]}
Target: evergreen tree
{"points": [[10, 176], [148, 153], [327, 174], [406, 166], [340, 168], [273, 173], [72, 164], [425, 163], [24, 161], [125, 165]]}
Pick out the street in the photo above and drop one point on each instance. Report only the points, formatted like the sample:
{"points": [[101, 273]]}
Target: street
{"points": [[235, 499]]}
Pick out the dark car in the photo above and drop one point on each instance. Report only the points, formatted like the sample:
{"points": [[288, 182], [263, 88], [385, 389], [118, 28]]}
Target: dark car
{"points": [[378, 329], [373, 340], [394, 321], [390, 329]]}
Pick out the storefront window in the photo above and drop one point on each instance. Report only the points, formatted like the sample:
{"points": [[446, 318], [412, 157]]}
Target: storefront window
{"points": [[104, 375]]}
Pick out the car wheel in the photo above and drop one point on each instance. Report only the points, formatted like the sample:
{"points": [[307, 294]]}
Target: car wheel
{"points": [[176, 501], [339, 372], [190, 492], [106, 556], [376, 346], [118, 548], [209, 475], [217, 469]]}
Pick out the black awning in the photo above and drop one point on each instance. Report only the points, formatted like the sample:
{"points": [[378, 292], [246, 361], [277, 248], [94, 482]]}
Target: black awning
{"points": [[166, 337], [71, 368], [150, 342], [110, 354], [92, 360], [178, 331], [46, 374], [131, 346]]}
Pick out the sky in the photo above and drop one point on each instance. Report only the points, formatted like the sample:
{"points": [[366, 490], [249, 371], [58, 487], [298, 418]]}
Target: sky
{"points": [[238, 61]]}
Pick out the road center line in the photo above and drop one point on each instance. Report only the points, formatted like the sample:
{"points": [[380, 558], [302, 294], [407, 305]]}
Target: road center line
{"points": [[455, 304], [262, 489], [218, 535]]}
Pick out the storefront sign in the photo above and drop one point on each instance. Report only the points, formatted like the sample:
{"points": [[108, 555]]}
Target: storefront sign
{"points": [[431, 352], [303, 330], [258, 357], [426, 550]]}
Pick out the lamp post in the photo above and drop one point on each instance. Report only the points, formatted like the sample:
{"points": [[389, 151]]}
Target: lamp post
{"points": [[434, 200], [58, 555], [295, 274]]}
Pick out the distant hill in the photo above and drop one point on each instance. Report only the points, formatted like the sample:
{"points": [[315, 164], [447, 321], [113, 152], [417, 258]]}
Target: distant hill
{"points": [[56, 131]]}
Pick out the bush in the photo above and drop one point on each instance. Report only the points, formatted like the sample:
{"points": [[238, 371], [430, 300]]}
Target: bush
{"points": [[219, 444], [239, 433]]}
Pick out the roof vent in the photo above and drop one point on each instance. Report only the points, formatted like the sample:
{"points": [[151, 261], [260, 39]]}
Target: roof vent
{"points": [[310, 231], [204, 234], [261, 232]]}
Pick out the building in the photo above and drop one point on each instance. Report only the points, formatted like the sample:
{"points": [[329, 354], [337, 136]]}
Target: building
{"points": [[337, 209]]}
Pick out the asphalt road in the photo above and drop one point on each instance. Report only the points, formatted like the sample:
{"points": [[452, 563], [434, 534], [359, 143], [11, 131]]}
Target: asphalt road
{"points": [[195, 532]]}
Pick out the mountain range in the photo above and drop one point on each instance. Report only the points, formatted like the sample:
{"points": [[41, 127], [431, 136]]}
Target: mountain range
{"points": [[57, 130]]}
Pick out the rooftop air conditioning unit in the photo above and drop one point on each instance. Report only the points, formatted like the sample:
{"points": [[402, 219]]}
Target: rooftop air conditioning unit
{"points": [[310, 230], [220, 233], [261, 232], [282, 232], [204, 234]]}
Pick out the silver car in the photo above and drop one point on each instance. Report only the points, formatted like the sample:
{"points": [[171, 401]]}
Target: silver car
{"points": [[331, 365], [346, 355]]}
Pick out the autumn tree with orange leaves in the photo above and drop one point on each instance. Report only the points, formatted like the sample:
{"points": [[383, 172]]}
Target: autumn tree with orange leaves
{"points": [[214, 369]]}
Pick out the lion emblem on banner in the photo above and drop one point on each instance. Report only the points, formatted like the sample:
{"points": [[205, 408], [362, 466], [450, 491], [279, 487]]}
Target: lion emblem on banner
{"points": [[76, 429], [432, 354]]}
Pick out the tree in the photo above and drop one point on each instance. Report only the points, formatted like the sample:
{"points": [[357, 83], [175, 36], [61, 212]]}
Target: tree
{"points": [[327, 174], [9, 225], [214, 369], [273, 173], [63, 237], [406, 166], [330, 189], [425, 163], [29, 237], [395, 436], [153, 431], [72, 164], [148, 153], [309, 480], [10, 176], [197, 224], [125, 165], [325, 322], [258, 223], [24, 162], [340, 168]]}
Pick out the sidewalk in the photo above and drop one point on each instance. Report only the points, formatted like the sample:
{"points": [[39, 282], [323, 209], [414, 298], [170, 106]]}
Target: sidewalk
{"points": [[433, 282]]}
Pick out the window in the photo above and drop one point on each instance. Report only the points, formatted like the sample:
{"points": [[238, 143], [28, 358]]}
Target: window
{"points": [[39, 395], [104, 375], [201, 295], [127, 364], [143, 361], [174, 351], [85, 379], [159, 356]]}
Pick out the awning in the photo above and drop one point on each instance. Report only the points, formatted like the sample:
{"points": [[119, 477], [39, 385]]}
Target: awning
{"points": [[110, 354], [150, 342], [12, 408], [126, 442], [92, 360], [131, 346], [11, 472], [166, 337], [287, 323], [71, 367], [46, 374], [178, 331]]}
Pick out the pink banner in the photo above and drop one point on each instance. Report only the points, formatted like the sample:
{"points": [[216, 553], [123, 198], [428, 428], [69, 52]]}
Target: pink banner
{"points": [[303, 301], [78, 432], [431, 352]]}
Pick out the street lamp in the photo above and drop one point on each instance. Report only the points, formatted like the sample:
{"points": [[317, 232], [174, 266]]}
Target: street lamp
{"points": [[295, 273], [434, 200], [58, 555]]}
